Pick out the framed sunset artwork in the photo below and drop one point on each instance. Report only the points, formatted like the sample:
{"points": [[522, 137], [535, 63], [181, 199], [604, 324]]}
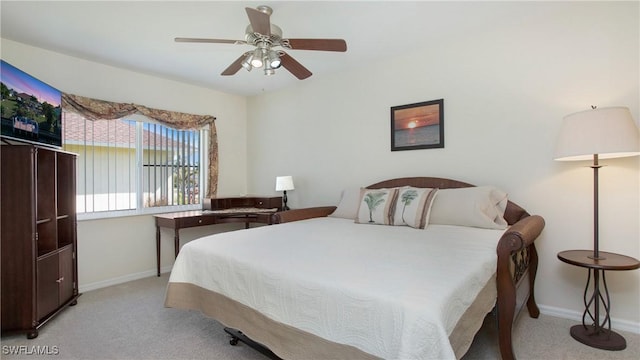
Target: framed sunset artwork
{"points": [[417, 126]]}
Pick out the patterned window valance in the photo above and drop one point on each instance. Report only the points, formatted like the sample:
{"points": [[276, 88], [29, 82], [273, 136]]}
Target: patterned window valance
{"points": [[94, 109]]}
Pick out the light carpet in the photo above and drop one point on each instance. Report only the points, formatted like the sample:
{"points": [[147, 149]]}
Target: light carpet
{"points": [[129, 321]]}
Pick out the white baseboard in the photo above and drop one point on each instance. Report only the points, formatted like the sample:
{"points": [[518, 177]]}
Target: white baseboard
{"points": [[617, 324], [122, 279]]}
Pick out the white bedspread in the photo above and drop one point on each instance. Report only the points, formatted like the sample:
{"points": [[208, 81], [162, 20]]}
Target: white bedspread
{"points": [[394, 292]]}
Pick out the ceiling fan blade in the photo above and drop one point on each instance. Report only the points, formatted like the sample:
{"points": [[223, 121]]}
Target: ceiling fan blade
{"points": [[317, 44], [217, 41], [259, 20], [294, 67], [235, 66]]}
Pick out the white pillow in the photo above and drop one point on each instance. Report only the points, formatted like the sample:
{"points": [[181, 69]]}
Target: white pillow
{"points": [[481, 206], [348, 206], [413, 206], [377, 206]]}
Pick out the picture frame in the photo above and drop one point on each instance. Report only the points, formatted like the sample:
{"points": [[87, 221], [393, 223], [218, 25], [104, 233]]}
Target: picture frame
{"points": [[417, 126]]}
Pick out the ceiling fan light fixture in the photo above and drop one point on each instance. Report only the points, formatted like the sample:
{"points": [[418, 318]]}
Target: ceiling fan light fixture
{"points": [[274, 59], [256, 60], [268, 70], [246, 63]]}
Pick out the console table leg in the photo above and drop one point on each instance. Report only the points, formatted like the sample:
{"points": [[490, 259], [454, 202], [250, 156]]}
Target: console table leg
{"points": [[158, 248], [177, 241]]}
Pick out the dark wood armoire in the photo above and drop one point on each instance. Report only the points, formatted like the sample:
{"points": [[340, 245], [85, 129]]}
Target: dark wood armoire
{"points": [[38, 228]]}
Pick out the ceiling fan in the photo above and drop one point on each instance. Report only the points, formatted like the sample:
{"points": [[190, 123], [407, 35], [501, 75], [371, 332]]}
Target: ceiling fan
{"points": [[266, 36]]}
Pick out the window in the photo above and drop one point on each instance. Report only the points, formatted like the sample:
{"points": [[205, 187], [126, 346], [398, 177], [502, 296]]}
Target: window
{"points": [[134, 165]]}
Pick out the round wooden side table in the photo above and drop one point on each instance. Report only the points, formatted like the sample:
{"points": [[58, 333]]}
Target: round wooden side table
{"points": [[598, 334]]}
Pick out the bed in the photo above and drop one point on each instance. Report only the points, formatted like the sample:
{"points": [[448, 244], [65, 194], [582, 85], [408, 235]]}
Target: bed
{"points": [[317, 285]]}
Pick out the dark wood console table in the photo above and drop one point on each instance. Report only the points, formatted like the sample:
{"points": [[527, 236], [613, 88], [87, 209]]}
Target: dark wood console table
{"points": [[598, 334], [246, 209]]}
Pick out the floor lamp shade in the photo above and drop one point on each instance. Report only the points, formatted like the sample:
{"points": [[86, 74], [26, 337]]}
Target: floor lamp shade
{"points": [[606, 132]]}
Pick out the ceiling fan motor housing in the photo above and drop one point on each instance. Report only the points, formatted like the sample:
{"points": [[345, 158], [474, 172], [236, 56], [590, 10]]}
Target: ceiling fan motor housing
{"points": [[253, 38]]}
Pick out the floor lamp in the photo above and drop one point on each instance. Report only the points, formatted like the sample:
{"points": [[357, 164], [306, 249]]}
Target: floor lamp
{"points": [[599, 133]]}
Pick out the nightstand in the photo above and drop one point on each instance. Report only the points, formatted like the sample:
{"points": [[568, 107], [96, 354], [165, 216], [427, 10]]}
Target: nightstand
{"points": [[599, 334]]}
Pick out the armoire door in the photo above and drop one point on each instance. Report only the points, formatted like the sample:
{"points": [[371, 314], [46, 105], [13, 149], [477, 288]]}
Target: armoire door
{"points": [[47, 288], [66, 278]]}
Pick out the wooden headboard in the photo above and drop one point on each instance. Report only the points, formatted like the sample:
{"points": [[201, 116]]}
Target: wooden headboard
{"points": [[512, 214]]}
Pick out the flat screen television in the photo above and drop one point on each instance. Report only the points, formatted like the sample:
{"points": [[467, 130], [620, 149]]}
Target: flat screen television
{"points": [[31, 110]]}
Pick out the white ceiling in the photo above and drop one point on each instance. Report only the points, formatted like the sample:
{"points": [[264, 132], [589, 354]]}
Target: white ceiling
{"points": [[138, 35]]}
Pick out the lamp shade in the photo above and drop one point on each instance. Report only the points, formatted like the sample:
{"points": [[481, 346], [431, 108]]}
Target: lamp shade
{"points": [[284, 183], [607, 132]]}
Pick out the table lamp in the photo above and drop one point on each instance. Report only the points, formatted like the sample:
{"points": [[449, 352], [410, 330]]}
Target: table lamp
{"points": [[599, 133], [284, 183]]}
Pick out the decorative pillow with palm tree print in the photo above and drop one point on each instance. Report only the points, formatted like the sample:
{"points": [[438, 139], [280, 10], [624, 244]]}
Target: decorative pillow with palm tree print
{"points": [[377, 206], [413, 206]]}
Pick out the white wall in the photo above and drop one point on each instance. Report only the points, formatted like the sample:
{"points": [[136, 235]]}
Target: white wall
{"points": [[108, 250], [506, 88]]}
